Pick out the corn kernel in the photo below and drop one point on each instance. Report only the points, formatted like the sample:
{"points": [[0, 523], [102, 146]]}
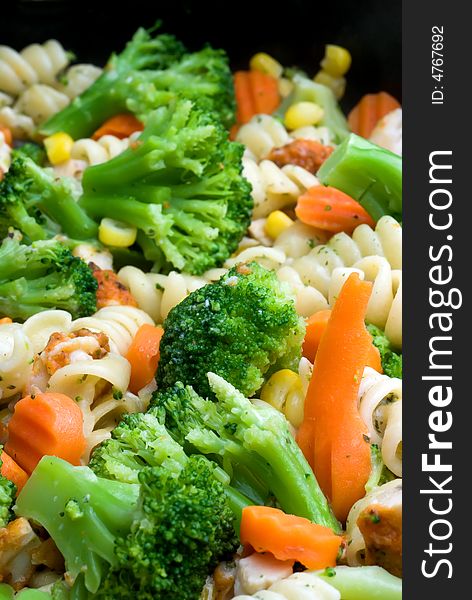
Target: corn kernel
{"points": [[336, 61], [58, 147], [302, 114], [285, 87], [265, 63], [336, 84], [116, 233], [277, 222]]}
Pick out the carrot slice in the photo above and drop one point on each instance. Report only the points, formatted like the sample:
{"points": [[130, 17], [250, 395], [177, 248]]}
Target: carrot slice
{"points": [[255, 93], [121, 126], [143, 356], [45, 424], [7, 135], [289, 537], [369, 110], [329, 209], [333, 435], [5, 321], [13, 472]]}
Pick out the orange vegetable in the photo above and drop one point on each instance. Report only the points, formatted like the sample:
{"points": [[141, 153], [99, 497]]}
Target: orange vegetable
{"points": [[256, 93], [288, 537], [329, 209], [121, 126], [315, 327], [13, 472], [143, 355], [45, 424], [332, 435], [5, 321], [369, 110], [7, 135]]}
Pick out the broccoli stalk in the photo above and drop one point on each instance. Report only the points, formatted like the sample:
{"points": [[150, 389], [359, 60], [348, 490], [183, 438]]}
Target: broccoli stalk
{"points": [[240, 327], [42, 276], [33, 201], [392, 363], [306, 90], [369, 174], [123, 85], [180, 185], [7, 496], [251, 441]]}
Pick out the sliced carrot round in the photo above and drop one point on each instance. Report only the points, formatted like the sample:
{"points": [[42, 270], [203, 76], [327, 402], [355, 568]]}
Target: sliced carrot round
{"points": [[143, 356], [369, 110]]}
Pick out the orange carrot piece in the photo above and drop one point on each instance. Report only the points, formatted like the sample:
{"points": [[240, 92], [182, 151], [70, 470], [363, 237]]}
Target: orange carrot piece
{"points": [[45, 424], [7, 135], [255, 93], [5, 321], [13, 472], [332, 436], [315, 327], [121, 126], [369, 110], [329, 209], [143, 356], [289, 537]]}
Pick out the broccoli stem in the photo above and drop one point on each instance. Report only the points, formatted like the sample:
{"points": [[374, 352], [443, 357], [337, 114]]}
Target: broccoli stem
{"points": [[363, 583], [367, 173], [26, 224]]}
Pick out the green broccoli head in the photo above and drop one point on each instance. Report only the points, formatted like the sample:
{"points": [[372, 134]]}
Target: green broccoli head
{"points": [[7, 497], [41, 276], [35, 202], [238, 327], [392, 363], [180, 185], [33, 151]]}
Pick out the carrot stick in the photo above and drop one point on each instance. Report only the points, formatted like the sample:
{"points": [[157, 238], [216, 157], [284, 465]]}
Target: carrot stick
{"points": [[255, 93], [329, 209], [7, 135], [315, 327], [289, 537], [121, 126], [13, 472], [332, 434], [45, 424], [143, 356], [369, 110]]}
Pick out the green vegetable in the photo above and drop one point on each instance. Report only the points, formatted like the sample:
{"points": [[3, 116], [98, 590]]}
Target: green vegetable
{"points": [[181, 186], [34, 151], [159, 538], [240, 327], [7, 499], [40, 205], [369, 174], [42, 276], [391, 361], [364, 583], [379, 474], [251, 442], [306, 90]]}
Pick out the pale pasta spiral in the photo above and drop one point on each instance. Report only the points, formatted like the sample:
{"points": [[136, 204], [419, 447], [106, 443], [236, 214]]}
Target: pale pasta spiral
{"points": [[380, 406], [40, 101], [16, 355], [94, 152], [37, 63], [21, 126], [299, 586], [262, 134], [78, 78]]}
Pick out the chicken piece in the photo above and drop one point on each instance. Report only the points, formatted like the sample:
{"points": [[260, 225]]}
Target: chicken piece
{"points": [[48, 555], [17, 543], [381, 527], [111, 292], [259, 571], [89, 253], [388, 132], [65, 348], [308, 154]]}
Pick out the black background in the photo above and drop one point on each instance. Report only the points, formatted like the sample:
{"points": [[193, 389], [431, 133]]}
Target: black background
{"points": [[294, 31]]}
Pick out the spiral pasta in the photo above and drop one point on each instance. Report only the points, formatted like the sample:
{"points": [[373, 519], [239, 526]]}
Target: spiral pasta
{"points": [[40, 101], [305, 585], [21, 126], [261, 134], [78, 78], [94, 152], [380, 406], [16, 355], [37, 63]]}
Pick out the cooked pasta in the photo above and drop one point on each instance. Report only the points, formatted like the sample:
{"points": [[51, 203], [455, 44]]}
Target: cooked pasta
{"points": [[305, 585], [261, 134], [78, 78], [95, 152], [380, 406], [21, 126], [16, 355], [40, 102]]}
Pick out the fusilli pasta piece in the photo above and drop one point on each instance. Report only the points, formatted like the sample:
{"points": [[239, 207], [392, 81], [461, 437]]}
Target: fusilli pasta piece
{"points": [[21, 126], [16, 355], [380, 406], [299, 586], [95, 152], [261, 134], [78, 78], [40, 102]]}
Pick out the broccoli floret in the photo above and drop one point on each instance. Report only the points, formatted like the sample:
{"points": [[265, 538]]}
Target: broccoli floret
{"points": [[125, 84], [39, 205], [34, 151], [392, 363], [239, 327], [180, 185], [7, 496], [41, 276], [251, 441], [159, 538]]}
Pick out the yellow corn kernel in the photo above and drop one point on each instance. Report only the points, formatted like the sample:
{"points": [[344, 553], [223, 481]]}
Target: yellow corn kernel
{"points": [[285, 87], [336, 84], [336, 61], [58, 147], [277, 222], [302, 114], [265, 63], [116, 233], [284, 391]]}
